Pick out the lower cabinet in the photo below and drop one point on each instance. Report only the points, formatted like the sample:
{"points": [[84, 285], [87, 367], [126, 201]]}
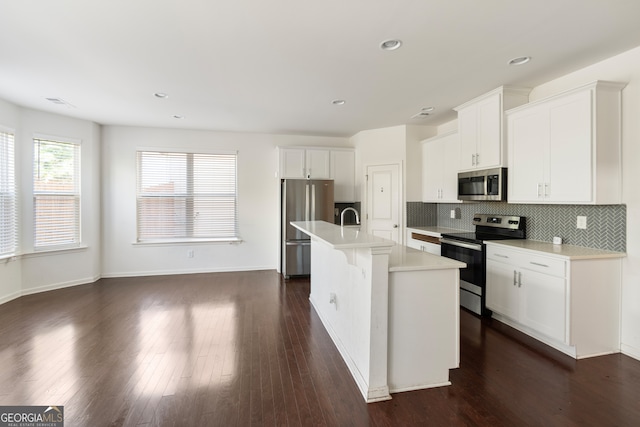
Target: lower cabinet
{"points": [[572, 305], [423, 242], [535, 300]]}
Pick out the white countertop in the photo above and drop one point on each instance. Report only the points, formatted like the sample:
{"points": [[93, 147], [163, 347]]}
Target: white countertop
{"points": [[341, 237], [434, 230], [569, 252], [404, 258]]}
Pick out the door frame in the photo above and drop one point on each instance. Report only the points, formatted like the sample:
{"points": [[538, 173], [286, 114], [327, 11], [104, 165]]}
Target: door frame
{"points": [[400, 189]]}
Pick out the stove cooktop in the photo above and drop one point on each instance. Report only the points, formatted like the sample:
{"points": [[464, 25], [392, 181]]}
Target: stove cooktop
{"points": [[492, 227], [475, 237]]}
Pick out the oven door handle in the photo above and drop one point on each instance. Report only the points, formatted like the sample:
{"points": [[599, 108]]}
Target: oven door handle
{"points": [[472, 246]]}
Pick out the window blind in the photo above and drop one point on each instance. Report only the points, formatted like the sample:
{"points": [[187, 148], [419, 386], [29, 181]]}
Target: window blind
{"points": [[56, 194], [186, 196], [8, 197]]}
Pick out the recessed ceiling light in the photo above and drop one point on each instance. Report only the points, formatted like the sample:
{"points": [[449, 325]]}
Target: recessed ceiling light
{"points": [[161, 95], [338, 102], [520, 60], [390, 44]]}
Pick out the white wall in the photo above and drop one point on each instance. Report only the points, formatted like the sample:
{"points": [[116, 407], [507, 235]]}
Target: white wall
{"points": [[36, 272], [258, 209]]}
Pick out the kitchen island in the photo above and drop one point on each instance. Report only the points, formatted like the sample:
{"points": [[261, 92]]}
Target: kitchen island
{"points": [[392, 311]]}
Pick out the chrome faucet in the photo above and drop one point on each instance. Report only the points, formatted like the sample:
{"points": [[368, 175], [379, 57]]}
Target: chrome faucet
{"points": [[349, 209]]}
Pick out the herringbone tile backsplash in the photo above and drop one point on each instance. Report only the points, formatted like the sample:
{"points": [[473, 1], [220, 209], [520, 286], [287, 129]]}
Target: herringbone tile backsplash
{"points": [[606, 225]]}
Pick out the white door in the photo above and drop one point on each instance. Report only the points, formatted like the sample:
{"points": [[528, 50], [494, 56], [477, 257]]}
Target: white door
{"points": [[384, 202]]}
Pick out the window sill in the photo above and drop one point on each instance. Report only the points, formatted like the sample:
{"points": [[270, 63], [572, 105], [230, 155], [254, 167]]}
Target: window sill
{"points": [[183, 242], [46, 252]]}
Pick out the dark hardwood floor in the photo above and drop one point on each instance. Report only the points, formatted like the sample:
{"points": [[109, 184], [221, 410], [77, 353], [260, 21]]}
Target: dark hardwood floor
{"points": [[246, 349]]}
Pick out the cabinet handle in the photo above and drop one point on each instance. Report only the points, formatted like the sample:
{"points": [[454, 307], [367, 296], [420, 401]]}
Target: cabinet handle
{"points": [[477, 159], [539, 190], [473, 160], [546, 190], [539, 264], [519, 279], [501, 256], [515, 275]]}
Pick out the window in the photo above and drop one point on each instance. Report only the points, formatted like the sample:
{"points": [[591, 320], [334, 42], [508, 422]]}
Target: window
{"points": [[8, 196], [186, 197], [56, 194]]}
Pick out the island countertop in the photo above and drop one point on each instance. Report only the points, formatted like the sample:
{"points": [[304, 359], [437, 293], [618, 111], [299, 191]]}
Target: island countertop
{"points": [[404, 258], [341, 237]]}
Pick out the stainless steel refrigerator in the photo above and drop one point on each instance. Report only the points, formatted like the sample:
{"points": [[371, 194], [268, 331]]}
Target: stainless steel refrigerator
{"points": [[302, 200]]}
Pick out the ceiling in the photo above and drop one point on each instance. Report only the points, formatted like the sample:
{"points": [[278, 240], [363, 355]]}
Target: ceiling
{"points": [[276, 65]]}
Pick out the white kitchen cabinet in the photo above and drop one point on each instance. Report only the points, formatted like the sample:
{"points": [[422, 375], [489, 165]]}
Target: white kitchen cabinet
{"points": [[304, 163], [440, 156], [481, 125], [566, 149], [570, 304], [343, 172], [426, 242], [516, 289]]}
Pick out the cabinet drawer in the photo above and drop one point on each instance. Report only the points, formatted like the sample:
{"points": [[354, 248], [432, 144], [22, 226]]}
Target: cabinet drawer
{"points": [[542, 264], [546, 265], [502, 255]]}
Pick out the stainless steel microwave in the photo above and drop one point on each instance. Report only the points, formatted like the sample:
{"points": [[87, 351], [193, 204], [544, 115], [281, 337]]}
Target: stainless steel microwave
{"points": [[483, 185]]}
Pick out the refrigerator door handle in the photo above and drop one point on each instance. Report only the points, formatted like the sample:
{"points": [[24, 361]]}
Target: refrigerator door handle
{"points": [[313, 202], [306, 202]]}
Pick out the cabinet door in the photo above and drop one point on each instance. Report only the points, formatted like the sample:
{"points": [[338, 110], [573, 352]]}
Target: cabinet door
{"points": [[489, 130], [343, 165], [570, 149], [468, 131], [432, 170], [502, 295], [291, 163], [543, 303], [318, 163], [451, 154], [440, 157], [528, 132]]}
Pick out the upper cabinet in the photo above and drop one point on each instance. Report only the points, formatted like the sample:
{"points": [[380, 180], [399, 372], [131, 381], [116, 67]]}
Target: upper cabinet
{"points": [[566, 149], [337, 164], [440, 156], [304, 163], [481, 125], [343, 173]]}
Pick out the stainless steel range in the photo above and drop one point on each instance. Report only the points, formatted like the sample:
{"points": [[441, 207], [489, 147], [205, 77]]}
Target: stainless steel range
{"points": [[469, 248]]}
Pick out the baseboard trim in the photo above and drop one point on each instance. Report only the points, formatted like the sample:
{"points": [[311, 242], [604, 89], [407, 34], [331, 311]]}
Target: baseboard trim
{"points": [[176, 272], [56, 286], [47, 288], [10, 297], [630, 351]]}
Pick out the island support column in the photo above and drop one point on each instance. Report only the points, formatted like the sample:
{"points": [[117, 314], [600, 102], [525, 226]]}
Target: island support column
{"points": [[350, 293]]}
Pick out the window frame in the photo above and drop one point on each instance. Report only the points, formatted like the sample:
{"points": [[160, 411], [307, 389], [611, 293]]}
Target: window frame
{"points": [[12, 237], [189, 226], [75, 194]]}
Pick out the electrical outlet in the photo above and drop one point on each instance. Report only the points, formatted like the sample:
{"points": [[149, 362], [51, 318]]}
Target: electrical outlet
{"points": [[452, 214], [190, 253], [581, 222]]}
